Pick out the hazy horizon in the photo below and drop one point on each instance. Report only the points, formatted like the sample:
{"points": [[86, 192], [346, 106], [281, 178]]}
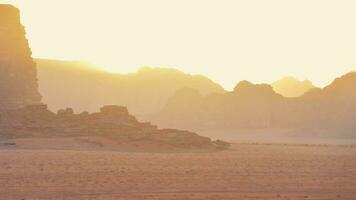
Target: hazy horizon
{"points": [[170, 131], [227, 41]]}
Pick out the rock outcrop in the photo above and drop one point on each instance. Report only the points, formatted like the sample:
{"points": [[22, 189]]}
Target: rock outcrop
{"points": [[18, 79], [112, 122]]}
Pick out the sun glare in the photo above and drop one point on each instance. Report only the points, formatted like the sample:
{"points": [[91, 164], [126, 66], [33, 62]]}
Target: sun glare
{"points": [[227, 46]]}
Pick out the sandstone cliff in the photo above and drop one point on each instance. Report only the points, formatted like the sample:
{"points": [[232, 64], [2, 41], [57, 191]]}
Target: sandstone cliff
{"points": [[18, 82]]}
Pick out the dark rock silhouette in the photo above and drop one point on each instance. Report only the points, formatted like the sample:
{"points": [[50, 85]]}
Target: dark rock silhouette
{"points": [[18, 81]]}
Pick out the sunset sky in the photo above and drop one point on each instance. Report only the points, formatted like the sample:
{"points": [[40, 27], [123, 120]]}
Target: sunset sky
{"points": [[227, 41]]}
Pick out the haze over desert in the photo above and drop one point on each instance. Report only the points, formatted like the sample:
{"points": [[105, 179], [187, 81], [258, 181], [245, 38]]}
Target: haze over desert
{"points": [[74, 130]]}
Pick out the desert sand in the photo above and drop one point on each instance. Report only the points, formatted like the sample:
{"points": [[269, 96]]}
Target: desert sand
{"points": [[246, 171]]}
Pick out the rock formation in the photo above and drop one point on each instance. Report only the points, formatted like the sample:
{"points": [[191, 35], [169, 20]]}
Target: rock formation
{"points": [[113, 122], [22, 114], [18, 79], [327, 112]]}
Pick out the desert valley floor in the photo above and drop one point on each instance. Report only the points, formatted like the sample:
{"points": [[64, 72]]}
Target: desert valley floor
{"points": [[246, 171]]}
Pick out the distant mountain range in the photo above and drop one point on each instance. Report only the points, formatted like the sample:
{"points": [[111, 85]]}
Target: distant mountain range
{"points": [[171, 98], [328, 111], [83, 87]]}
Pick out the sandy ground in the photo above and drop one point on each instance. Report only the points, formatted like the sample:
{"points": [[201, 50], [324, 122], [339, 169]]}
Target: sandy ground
{"points": [[93, 143], [276, 136], [246, 171]]}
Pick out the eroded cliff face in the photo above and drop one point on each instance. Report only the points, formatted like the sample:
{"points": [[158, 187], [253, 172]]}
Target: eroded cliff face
{"points": [[18, 76]]}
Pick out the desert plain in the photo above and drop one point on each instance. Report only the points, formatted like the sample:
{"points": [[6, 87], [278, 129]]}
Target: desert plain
{"points": [[32, 170]]}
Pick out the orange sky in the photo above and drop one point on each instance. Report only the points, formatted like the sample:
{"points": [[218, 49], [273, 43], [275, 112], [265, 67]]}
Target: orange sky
{"points": [[227, 40]]}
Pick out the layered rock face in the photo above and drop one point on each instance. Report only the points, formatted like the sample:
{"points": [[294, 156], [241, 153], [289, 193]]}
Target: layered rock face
{"points": [[18, 78]]}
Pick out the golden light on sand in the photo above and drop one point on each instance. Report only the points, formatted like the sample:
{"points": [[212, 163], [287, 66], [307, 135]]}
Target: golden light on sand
{"points": [[70, 132]]}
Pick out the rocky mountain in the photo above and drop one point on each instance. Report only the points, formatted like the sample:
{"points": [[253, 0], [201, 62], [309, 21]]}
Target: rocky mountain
{"points": [[245, 107], [330, 111], [81, 86], [23, 116], [18, 82], [292, 87]]}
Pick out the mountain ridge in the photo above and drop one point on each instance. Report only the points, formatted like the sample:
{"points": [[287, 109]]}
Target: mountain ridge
{"points": [[327, 111], [144, 91]]}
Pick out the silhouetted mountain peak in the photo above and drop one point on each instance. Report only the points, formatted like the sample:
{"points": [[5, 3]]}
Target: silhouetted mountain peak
{"points": [[243, 85], [344, 84], [289, 86], [248, 88], [348, 78]]}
